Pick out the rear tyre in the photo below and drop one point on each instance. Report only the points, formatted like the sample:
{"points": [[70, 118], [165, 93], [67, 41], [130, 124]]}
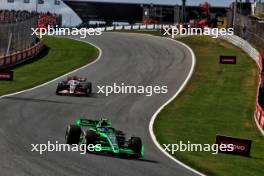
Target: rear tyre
{"points": [[135, 144], [73, 133], [58, 89], [89, 88]]}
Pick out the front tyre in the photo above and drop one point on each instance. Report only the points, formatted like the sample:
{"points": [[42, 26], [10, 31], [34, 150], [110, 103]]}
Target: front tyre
{"points": [[135, 144], [73, 133]]}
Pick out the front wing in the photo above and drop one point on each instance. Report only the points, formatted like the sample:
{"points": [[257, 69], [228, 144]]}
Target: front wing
{"points": [[76, 92], [123, 151]]}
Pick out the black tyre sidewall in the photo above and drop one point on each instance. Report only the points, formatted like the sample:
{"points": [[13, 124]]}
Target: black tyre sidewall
{"points": [[73, 133], [135, 143], [90, 137]]}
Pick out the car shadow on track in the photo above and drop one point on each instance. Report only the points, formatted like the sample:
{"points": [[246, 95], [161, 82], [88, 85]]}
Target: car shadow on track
{"points": [[93, 95], [124, 158], [36, 100]]}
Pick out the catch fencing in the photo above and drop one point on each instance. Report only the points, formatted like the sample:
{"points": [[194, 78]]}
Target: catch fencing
{"points": [[250, 29], [17, 44], [16, 36]]}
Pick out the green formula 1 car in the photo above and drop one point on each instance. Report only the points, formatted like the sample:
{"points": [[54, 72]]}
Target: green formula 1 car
{"points": [[101, 133]]}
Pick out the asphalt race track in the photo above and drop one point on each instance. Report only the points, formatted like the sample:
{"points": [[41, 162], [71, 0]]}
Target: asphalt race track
{"points": [[39, 115]]}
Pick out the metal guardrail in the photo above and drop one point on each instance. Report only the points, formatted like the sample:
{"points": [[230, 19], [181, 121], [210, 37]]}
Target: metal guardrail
{"points": [[17, 44], [244, 45]]}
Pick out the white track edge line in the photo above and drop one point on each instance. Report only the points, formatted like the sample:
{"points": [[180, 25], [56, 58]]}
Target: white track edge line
{"points": [[153, 118], [55, 79]]}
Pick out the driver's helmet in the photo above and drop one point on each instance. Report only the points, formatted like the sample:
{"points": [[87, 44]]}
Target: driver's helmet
{"points": [[105, 129], [104, 123], [72, 78], [73, 82]]}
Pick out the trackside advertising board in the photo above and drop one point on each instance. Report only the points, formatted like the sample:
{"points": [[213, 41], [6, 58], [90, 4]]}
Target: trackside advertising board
{"points": [[240, 146], [6, 75], [228, 60]]}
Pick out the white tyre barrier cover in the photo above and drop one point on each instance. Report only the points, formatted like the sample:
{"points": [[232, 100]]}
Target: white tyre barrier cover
{"points": [[136, 27], [150, 26], [110, 28], [127, 27], [118, 27], [143, 26]]}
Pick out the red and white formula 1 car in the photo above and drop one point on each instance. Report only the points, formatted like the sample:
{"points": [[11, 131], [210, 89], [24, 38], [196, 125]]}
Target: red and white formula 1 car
{"points": [[74, 85]]}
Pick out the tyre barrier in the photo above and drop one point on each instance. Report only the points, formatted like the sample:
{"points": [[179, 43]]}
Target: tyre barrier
{"points": [[20, 56], [136, 27], [259, 113]]}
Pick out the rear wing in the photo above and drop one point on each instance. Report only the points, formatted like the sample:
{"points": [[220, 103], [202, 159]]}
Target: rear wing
{"points": [[80, 78], [86, 122]]}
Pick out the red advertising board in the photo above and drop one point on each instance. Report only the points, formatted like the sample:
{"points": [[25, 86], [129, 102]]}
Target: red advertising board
{"points": [[227, 60], [240, 146], [6, 75]]}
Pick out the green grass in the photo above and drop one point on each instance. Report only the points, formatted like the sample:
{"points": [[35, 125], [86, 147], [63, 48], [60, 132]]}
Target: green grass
{"points": [[59, 57], [219, 99]]}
